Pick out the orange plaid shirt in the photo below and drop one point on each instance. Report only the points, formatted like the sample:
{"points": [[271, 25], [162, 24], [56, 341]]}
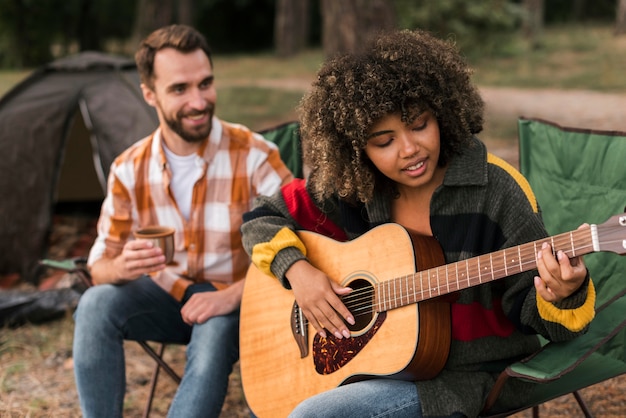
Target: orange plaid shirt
{"points": [[233, 167]]}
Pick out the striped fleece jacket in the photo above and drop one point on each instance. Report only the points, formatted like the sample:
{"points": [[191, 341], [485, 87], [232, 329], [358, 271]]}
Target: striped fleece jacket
{"points": [[483, 205]]}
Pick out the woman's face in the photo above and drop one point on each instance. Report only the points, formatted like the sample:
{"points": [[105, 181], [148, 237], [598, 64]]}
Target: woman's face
{"points": [[406, 154]]}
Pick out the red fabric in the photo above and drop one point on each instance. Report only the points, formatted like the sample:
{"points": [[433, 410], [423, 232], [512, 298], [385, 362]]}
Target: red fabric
{"points": [[304, 211], [470, 322]]}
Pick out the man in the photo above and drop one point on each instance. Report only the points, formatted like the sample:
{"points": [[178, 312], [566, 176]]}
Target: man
{"points": [[197, 174]]}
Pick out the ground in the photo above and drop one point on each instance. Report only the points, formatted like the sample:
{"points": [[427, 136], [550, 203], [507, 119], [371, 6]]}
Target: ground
{"points": [[572, 108], [35, 382]]}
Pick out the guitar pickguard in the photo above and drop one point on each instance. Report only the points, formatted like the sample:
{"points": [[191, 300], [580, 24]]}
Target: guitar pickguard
{"points": [[331, 354]]}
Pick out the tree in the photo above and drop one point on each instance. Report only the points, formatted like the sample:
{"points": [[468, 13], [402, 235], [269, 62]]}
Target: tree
{"points": [[150, 15], [620, 26], [347, 23], [533, 22], [480, 28], [291, 26], [185, 12]]}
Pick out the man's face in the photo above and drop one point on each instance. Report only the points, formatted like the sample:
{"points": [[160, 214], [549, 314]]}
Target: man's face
{"points": [[183, 94]]}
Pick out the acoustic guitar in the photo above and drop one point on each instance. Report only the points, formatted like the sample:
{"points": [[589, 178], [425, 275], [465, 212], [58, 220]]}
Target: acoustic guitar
{"points": [[402, 328]]}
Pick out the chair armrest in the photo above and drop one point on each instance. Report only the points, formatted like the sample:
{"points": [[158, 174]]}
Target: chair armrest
{"points": [[69, 264], [77, 265], [556, 359], [586, 360]]}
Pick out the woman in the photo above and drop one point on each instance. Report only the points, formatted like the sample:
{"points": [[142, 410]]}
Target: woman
{"points": [[389, 134]]}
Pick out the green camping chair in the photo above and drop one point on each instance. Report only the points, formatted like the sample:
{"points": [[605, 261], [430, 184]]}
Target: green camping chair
{"points": [[578, 176], [287, 137]]}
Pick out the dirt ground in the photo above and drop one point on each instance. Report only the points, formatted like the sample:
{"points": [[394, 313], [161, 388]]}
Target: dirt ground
{"points": [[572, 108], [44, 387]]}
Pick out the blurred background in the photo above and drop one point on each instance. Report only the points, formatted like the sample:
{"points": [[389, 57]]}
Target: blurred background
{"points": [[34, 32], [561, 60]]}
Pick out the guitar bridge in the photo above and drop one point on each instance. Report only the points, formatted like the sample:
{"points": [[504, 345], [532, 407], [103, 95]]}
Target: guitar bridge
{"points": [[300, 330]]}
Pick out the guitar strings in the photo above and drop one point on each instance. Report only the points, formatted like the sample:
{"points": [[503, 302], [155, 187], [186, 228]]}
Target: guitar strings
{"points": [[362, 301]]}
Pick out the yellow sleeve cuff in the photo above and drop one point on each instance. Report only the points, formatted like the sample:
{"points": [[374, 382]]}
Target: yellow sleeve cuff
{"points": [[572, 319], [263, 254]]}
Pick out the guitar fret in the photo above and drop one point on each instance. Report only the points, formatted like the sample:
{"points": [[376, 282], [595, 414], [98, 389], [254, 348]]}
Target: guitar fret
{"points": [[386, 295], [479, 270], [519, 257], [506, 272], [430, 292], [467, 272], [571, 242], [406, 290], [491, 264], [396, 290]]}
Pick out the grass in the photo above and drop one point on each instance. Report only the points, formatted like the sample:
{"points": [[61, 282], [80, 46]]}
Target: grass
{"points": [[570, 57], [257, 107], [8, 79]]}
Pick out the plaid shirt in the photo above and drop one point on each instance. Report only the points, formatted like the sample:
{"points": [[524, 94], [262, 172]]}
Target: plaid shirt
{"points": [[233, 166]]}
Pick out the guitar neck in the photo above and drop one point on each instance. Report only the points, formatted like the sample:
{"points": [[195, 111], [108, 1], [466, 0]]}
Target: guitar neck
{"points": [[448, 278]]}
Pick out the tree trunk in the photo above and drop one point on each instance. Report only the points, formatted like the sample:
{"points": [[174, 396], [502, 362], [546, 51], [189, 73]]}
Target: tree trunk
{"points": [[291, 26], [150, 15], [185, 12], [347, 24], [578, 10], [533, 24], [620, 25], [28, 49], [88, 33]]}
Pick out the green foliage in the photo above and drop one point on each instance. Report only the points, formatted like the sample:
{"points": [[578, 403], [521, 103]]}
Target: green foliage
{"points": [[478, 27], [29, 29], [564, 11]]}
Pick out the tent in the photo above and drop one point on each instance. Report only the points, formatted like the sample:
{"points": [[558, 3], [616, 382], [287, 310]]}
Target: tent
{"points": [[60, 130]]}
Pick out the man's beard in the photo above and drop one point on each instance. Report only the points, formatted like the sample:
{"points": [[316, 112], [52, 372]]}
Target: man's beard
{"points": [[191, 135]]}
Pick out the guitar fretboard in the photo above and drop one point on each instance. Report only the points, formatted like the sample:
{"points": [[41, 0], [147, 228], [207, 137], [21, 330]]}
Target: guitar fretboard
{"points": [[438, 281]]}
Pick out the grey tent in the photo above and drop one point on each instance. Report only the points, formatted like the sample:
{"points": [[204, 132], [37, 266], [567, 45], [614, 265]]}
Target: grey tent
{"points": [[60, 130]]}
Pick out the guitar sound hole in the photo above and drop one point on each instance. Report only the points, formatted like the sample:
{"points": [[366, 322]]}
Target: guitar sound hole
{"points": [[361, 303]]}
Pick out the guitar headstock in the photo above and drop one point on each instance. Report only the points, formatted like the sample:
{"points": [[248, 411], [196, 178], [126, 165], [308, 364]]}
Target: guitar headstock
{"points": [[612, 234]]}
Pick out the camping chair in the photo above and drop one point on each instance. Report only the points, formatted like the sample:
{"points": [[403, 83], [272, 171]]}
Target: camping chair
{"points": [[287, 137], [578, 175], [78, 266]]}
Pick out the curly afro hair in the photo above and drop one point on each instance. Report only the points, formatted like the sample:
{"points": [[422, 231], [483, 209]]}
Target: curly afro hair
{"points": [[404, 72]]}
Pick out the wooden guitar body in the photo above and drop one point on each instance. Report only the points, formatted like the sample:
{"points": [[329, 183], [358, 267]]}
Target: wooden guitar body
{"points": [[410, 342]]}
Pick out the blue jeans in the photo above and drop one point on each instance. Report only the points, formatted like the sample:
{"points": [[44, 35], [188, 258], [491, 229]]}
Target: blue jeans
{"points": [[368, 398], [140, 310]]}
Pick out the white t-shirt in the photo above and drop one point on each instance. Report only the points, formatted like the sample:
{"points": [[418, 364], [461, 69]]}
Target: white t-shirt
{"points": [[184, 172]]}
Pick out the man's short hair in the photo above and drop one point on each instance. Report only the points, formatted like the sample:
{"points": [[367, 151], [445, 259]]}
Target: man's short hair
{"points": [[182, 38]]}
